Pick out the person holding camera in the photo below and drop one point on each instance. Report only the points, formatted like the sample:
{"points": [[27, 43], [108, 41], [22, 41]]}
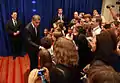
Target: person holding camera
{"points": [[97, 15], [41, 74], [113, 13]]}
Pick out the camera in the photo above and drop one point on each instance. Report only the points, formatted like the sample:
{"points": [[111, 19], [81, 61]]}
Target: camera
{"points": [[41, 72], [110, 6], [42, 76]]}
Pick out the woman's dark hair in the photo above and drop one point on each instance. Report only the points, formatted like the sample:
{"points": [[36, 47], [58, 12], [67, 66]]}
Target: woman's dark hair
{"points": [[61, 25], [116, 23], [45, 58], [46, 42], [57, 34], [13, 12], [81, 30], [99, 19], [107, 26]]}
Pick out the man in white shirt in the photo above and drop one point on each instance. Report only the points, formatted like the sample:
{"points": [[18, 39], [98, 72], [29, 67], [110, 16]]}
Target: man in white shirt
{"points": [[60, 18], [96, 22], [96, 31]]}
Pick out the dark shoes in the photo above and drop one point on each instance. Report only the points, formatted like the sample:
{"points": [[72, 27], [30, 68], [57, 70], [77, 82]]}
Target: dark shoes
{"points": [[14, 57]]}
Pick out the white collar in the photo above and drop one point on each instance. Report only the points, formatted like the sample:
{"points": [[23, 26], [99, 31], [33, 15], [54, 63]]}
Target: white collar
{"points": [[13, 20], [33, 25], [59, 14], [94, 29]]}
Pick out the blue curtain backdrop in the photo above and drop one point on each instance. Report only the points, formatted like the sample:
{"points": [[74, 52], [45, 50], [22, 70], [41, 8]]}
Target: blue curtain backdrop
{"points": [[45, 8]]}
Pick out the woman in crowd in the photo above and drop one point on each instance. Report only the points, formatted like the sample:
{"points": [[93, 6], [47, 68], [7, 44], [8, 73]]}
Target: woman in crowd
{"points": [[84, 50], [66, 58]]}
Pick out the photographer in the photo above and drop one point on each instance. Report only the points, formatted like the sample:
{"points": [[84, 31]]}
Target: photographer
{"points": [[44, 63], [113, 13], [34, 76]]}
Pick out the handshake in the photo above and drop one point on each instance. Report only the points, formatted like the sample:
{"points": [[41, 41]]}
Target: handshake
{"points": [[110, 6]]}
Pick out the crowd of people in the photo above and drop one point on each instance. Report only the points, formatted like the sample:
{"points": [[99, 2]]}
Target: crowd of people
{"points": [[83, 50]]}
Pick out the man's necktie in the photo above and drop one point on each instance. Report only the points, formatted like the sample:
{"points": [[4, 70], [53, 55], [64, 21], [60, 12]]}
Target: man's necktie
{"points": [[15, 22], [35, 31]]}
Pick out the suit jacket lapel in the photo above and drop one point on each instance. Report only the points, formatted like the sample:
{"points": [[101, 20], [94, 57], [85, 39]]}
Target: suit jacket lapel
{"points": [[33, 30], [12, 23], [38, 32]]}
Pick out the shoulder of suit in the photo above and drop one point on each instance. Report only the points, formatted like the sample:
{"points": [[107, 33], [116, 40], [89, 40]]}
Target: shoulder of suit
{"points": [[28, 26], [10, 20]]}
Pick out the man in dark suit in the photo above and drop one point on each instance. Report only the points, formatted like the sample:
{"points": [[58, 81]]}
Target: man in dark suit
{"points": [[13, 28], [32, 38], [60, 17]]}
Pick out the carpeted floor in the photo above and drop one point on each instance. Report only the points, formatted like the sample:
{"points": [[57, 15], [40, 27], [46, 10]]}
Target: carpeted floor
{"points": [[14, 71]]}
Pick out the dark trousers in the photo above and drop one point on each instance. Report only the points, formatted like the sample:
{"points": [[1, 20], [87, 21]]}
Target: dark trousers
{"points": [[16, 47], [33, 59]]}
